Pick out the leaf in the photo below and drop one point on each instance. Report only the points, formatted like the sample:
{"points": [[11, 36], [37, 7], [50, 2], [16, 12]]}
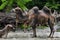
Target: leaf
{"points": [[27, 0], [21, 5], [3, 5], [3, 0]]}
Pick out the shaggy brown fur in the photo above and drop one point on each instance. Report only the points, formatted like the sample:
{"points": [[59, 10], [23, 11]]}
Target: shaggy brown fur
{"points": [[40, 17], [6, 30], [36, 16]]}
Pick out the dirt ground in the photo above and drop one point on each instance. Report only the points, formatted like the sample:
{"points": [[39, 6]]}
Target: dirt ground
{"points": [[41, 35]]}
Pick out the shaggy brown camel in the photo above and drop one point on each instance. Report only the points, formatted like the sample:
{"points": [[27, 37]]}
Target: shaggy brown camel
{"points": [[6, 30], [36, 16]]}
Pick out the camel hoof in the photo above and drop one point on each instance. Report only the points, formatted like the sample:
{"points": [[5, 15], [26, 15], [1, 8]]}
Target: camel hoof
{"points": [[34, 36], [49, 36], [52, 37]]}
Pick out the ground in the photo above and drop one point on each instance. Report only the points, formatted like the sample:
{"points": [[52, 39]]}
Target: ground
{"points": [[41, 35]]}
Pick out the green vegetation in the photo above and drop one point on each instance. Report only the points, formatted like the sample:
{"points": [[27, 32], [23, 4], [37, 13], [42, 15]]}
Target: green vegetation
{"points": [[41, 27], [27, 4], [58, 30], [9, 4]]}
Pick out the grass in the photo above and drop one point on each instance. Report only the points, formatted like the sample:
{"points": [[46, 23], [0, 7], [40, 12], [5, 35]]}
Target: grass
{"points": [[58, 30], [41, 27], [27, 27]]}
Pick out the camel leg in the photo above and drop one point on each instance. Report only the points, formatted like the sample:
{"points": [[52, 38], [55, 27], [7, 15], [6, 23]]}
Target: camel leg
{"points": [[0, 36], [50, 32], [51, 24], [34, 32], [25, 28], [6, 35], [53, 31], [33, 25]]}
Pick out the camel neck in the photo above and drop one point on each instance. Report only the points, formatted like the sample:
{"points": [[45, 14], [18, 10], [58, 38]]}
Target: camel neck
{"points": [[5, 29]]}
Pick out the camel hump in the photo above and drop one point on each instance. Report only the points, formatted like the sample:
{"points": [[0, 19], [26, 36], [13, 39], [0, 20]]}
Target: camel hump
{"points": [[46, 10]]}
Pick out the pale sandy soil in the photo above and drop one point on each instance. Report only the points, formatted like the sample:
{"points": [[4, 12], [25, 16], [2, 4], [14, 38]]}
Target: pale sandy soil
{"points": [[41, 35]]}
